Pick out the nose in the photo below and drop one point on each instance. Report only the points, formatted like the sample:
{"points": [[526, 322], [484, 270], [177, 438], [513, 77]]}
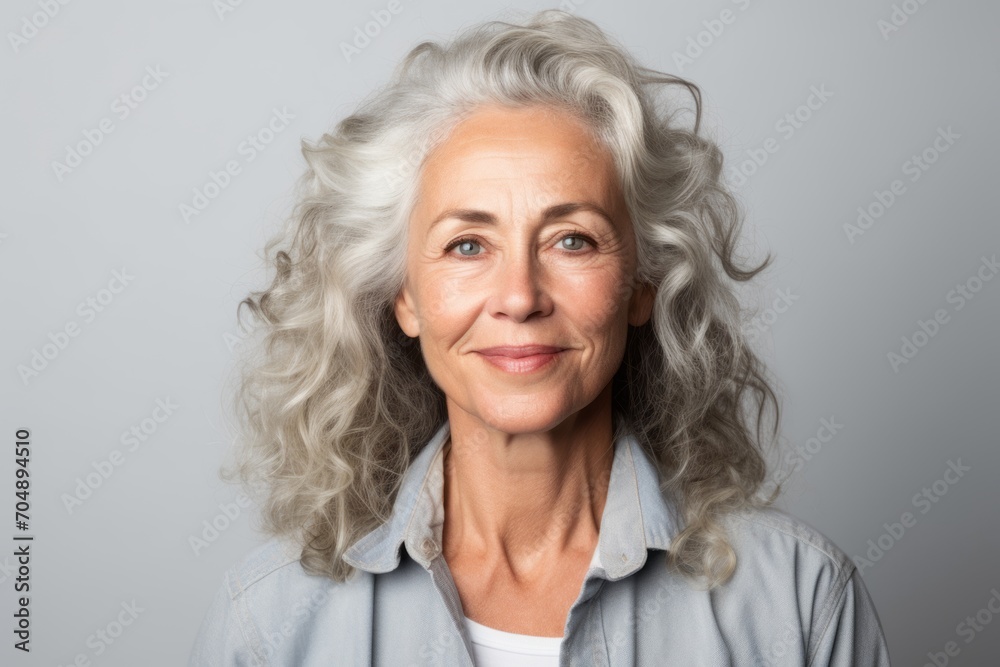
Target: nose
{"points": [[521, 288]]}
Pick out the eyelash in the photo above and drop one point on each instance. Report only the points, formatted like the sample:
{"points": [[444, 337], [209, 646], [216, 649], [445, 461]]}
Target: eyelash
{"points": [[475, 239]]}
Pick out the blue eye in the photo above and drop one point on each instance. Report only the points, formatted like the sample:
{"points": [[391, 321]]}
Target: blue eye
{"points": [[468, 243], [463, 243]]}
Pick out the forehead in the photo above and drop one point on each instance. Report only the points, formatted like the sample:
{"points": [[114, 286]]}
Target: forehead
{"points": [[537, 146]]}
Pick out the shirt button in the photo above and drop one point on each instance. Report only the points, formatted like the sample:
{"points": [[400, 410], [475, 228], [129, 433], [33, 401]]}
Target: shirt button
{"points": [[430, 548], [624, 558]]}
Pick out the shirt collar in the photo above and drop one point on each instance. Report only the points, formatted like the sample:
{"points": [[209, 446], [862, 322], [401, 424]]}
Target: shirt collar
{"points": [[637, 515]]}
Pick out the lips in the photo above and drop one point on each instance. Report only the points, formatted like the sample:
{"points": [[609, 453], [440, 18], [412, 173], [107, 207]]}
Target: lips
{"points": [[521, 359], [519, 351]]}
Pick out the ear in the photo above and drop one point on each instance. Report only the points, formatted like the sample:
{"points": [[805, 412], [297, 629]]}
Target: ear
{"points": [[406, 313], [640, 305]]}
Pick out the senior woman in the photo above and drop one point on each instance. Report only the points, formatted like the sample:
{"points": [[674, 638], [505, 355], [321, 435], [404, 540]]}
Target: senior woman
{"points": [[501, 412]]}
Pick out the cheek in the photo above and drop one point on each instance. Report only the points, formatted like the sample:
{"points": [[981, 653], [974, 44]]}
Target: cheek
{"points": [[597, 301], [446, 304], [439, 300]]}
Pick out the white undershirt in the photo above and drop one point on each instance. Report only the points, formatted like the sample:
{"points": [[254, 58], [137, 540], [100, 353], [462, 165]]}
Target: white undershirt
{"points": [[496, 648]]}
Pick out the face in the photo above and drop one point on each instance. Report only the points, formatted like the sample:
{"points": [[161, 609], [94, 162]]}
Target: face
{"points": [[521, 269]]}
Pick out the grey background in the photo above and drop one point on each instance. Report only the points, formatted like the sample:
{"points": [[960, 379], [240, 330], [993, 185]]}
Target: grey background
{"points": [[168, 333]]}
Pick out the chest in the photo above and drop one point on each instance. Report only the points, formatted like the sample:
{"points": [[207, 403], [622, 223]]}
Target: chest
{"points": [[536, 602], [413, 616], [540, 607]]}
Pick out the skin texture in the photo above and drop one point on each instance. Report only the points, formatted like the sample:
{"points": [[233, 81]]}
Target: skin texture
{"points": [[529, 458]]}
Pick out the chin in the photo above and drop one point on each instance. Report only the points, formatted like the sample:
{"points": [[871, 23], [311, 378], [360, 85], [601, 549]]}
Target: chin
{"points": [[522, 415]]}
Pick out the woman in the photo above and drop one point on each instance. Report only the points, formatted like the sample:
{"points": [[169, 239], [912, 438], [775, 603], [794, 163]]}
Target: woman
{"points": [[501, 416]]}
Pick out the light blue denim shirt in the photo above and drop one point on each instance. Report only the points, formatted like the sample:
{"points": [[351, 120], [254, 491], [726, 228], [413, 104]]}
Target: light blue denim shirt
{"points": [[795, 598]]}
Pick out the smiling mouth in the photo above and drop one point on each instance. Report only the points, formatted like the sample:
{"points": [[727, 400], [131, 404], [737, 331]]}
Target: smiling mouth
{"points": [[520, 351], [525, 359]]}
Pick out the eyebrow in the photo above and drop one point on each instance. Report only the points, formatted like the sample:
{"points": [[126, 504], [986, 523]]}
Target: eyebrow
{"points": [[551, 213]]}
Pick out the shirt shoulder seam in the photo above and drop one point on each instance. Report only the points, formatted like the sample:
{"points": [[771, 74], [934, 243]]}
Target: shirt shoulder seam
{"points": [[842, 564], [826, 615], [244, 620], [244, 575], [845, 569]]}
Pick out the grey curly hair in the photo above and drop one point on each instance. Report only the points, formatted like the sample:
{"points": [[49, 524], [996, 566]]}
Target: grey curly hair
{"points": [[335, 401]]}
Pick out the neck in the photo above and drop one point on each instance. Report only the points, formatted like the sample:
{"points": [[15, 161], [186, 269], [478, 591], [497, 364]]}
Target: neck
{"points": [[522, 501]]}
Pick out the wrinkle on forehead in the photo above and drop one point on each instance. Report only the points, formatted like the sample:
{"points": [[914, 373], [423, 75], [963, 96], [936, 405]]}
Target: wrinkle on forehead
{"points": [[534, 155]]}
